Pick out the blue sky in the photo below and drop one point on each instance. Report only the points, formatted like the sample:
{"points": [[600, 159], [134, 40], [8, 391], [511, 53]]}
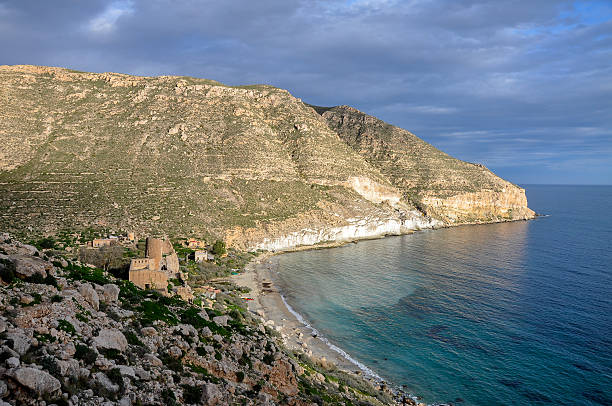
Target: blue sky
{"points": [[524, 87]]}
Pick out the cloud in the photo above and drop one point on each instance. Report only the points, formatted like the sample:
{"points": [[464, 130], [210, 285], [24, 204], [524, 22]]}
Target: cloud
{"points": [[422, 109], [105, 22], [473, 77]]}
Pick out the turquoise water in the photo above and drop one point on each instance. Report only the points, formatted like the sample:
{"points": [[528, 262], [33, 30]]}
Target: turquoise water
{"points": [[503, 314]]}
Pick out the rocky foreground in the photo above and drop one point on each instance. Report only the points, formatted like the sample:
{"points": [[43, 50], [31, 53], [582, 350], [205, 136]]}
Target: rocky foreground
{"points": [[72, 335]]}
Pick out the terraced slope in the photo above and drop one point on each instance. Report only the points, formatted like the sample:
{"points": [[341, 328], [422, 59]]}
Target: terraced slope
{"points": [[440, 185], [185, 156], [169, 154]]}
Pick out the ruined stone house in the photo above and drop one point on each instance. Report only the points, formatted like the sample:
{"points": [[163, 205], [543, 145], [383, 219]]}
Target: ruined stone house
{"points": [[103, 242], [159, 266]]}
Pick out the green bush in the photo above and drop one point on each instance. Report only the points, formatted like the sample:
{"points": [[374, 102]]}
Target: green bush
{"points": [[7, 270], [82, 273], [218, 248], [82, 317], [168, 397], [192, 394], [66, 326], [154, 310], [171, 363], [240, 376], [115, 377], [132, 338], [86, 354], [50, 365], [36, 278], [45, 243]]}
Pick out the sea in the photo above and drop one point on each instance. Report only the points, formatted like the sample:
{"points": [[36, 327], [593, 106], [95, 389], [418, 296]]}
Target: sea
{"points": [[502, 314]]}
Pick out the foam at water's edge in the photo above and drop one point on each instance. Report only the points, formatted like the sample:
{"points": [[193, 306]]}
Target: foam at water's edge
{"points": [[367, 371]]}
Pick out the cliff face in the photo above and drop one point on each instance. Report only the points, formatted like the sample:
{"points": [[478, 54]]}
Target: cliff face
{"points": [[441, 186], [187, 156]]}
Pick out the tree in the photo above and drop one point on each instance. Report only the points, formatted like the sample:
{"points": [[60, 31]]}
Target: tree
{"points": [[218, 248]]}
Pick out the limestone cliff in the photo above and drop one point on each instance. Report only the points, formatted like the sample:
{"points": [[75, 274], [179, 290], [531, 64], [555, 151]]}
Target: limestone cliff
{"points": [[187, 156], [441, 186]]}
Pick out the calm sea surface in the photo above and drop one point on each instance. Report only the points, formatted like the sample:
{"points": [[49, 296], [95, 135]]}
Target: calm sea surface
{"points": [[504, 314]]}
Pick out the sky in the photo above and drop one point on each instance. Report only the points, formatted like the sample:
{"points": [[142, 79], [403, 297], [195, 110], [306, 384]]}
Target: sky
{"points": [[523, 87]]}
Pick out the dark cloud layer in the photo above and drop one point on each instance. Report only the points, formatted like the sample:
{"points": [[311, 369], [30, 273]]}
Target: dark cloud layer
{"points": [[524, 87]]}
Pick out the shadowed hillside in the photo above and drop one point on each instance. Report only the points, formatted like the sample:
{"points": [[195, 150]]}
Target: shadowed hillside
{"points": [[440, 185]]}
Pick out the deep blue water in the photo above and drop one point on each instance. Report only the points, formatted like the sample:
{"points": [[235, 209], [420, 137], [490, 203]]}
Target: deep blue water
{"points": [[503, 314]]}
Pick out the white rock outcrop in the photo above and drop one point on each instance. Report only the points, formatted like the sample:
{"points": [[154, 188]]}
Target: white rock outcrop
{"points": [[358, 228]]}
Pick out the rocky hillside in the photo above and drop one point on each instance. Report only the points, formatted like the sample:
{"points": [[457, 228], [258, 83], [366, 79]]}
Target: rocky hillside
{"points": [[438, 184], [251, 164], [73, 335]]}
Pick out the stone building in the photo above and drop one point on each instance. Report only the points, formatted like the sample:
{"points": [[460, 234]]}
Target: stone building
{"points": [[144, 275], [159, 266], [195, 244], [201, 256], [103, 242]]}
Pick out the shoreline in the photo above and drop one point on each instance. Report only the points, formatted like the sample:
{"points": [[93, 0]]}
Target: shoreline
{"points": [[269, 304], [296, 333]]}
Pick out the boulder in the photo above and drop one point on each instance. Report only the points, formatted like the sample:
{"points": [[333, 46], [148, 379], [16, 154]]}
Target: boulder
{"points": [[205, 331], [29, 249], [3, 389], [111, 340], [20, 342], [142, 373], [26, 266], [90, 295], [221, 320], [68, 367], [127, 371], [26, 299], [110, 293], [39, 381], [148, 331], [211, 395], [175, 352], [106, 387], [187, 330], [12, 362], [153, 360]]}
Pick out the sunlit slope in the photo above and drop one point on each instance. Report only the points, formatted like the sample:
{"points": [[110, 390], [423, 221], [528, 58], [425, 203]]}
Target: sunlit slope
{"points": [[187, 156]]}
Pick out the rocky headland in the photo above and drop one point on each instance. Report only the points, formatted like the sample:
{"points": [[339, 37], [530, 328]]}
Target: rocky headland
{"points": [[252, 165]]}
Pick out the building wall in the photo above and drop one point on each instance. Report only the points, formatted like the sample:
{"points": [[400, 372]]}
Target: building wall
{"points": [[101, 242], [154, 279], [154, 251], [201, 256], [140, 263]]}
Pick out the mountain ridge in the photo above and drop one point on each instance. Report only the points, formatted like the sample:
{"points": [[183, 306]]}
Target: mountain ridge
{"points": [[187, 156]]}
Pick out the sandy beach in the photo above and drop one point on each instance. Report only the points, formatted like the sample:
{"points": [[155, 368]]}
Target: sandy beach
{"points": [[268, 304]]}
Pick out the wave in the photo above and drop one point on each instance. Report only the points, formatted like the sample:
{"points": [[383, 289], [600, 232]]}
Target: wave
{"points": [[366, 371]]}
